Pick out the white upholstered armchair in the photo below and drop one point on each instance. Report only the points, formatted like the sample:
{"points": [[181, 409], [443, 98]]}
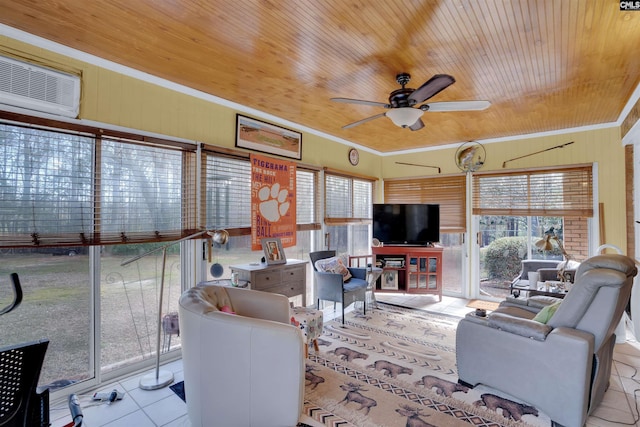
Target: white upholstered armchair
{"points": [[243, 369]]}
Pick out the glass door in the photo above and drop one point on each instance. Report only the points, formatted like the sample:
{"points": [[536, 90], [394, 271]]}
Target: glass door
{"points": [[454, 263], [504, 241], [422, 272]]}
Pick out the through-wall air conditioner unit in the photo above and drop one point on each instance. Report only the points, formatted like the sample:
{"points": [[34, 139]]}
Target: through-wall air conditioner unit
{"points": [[33, 87]]}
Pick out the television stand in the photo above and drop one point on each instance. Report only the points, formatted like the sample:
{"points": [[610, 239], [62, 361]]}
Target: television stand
{"points": [[409, 269]]}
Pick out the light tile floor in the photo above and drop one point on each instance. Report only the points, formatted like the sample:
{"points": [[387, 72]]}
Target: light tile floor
{"points": [[162, 407]]}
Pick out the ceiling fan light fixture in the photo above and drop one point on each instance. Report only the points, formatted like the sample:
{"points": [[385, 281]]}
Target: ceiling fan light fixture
{"points": [[405, 116]]}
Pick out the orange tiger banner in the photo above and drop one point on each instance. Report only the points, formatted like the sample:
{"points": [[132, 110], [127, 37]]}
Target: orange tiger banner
{"points": [[273, 200]]}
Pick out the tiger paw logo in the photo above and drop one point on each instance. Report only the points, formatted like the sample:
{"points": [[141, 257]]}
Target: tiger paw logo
{"points": [[273, 204]]}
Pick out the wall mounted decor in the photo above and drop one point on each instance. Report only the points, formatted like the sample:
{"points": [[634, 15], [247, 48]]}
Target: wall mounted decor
{"points": [[261, 136], [470, 156]]}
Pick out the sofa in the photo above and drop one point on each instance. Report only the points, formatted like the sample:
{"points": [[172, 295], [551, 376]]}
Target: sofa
{"points": [[243, 360], [552, 353]]}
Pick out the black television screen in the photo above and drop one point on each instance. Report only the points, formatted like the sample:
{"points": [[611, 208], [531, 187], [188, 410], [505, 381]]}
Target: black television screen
{"points": [[406, 224]]}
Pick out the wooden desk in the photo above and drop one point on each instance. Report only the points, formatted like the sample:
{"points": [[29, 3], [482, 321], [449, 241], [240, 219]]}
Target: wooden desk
{"points": [[289, 279]]}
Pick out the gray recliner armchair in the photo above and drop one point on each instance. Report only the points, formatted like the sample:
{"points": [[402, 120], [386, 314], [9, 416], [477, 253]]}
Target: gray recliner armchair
{"points": [[561, 367], [331, 286]]}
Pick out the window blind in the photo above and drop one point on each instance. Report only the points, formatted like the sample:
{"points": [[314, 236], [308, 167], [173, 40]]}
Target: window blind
{"points": [[564, 191], [227, 194], [73, 189], [83, 187], [307, 200], [46, 187], [347, 200], [447, 191], [142, 193]]}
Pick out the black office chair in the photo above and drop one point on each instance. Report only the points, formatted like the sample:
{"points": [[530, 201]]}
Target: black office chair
{"points": [[20, 403], [331, 287]]}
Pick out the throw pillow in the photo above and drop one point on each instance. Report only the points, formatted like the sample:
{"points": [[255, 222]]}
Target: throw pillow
{"points": [[547, 312], [334, 265]]}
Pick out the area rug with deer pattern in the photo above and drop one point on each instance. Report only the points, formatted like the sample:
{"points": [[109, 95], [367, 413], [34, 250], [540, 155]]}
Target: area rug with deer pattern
{"points": [[396, 366]]}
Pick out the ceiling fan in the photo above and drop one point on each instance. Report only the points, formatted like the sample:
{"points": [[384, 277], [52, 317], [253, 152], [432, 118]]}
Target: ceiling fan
{"points": [[403, 109]]}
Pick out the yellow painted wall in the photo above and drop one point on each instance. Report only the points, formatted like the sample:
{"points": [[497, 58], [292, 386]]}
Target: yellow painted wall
{"points": [[115, 99], [602, 146], [120, 100]]}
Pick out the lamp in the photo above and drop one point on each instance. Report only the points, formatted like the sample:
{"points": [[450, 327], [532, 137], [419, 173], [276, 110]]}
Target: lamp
{"points": [[161, 379], [545, 244], [404, 116], [219, 236]]}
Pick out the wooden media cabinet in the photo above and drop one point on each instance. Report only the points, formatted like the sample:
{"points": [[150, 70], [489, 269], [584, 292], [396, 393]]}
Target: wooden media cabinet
{"points": [[409, 269]]}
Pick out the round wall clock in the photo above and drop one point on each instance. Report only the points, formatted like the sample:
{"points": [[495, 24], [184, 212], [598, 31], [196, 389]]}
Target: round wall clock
{"points": [[354, 156]]}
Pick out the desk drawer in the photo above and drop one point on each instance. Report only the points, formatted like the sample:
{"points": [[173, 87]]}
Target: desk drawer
{"points": [[289, 289], [266, 279], [294, 274]]}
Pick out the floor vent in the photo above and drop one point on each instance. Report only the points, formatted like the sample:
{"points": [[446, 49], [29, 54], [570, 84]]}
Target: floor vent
{"points": [[38, 88]]}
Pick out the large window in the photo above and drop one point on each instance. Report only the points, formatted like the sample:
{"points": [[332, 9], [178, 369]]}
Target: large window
{"points": [[46, 197], [76, 206], [227, 193], [57, 305], [348, 210], [516, 209], [142, 194], [77, 203], [449, 192]]}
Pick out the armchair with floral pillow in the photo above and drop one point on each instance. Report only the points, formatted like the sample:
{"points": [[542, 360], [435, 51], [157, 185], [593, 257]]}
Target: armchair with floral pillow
{"points": [[336, 281]]}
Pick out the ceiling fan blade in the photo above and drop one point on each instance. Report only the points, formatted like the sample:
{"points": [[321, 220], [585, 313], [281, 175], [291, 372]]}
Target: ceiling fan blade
{"points": [[431, 87], [359, 122], [362, 102], [419, 124], [455, 106]]}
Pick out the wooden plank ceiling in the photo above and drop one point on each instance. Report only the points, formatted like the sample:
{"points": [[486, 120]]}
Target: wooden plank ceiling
{"points": [[544, 65]]}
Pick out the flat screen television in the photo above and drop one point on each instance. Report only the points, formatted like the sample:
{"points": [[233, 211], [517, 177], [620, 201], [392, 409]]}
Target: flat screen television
{"points": [[406, 224]]}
